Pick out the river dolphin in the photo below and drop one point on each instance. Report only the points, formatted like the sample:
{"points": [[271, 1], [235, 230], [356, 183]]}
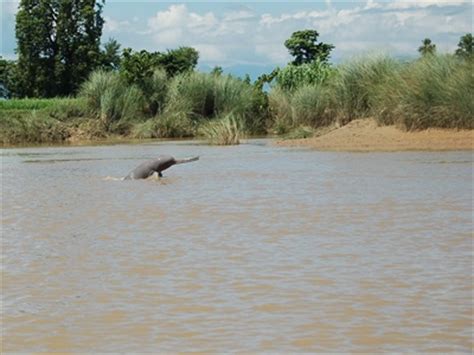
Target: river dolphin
{"points": [[156, 166]]}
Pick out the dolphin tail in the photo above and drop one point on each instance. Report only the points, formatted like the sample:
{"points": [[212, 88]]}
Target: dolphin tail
{"points": [[186, 160]]}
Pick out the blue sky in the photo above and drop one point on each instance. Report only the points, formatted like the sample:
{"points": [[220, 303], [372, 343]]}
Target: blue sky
{"points": [[248, 36]]}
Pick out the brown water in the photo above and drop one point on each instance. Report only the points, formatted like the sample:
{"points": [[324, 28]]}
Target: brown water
{"points": [[252, 248]]}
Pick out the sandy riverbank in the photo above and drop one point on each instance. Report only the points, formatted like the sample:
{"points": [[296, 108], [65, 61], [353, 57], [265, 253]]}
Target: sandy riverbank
{"points": [[365, 135]]}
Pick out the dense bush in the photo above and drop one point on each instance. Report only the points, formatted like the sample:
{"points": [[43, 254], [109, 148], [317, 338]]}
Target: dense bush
{"points": [[111, 100], [226, 130], [435, 91], [205, 96], [293, 76]]}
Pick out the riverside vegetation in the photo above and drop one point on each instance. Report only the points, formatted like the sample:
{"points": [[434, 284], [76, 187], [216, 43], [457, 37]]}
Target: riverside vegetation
{"points": [[434, 91], [161, 95]]}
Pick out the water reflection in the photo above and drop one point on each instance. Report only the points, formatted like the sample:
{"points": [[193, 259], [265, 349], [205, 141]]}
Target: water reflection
{"points": [[253, 248]]}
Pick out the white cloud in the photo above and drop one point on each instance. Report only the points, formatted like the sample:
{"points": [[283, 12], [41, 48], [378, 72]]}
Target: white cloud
{"points": [[243, 36], [111, 25], [276, 52], [210, 53], [407, 4]]}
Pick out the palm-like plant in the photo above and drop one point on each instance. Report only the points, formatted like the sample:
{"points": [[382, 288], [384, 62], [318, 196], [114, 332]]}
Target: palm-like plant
{"points": [[427, 48]]}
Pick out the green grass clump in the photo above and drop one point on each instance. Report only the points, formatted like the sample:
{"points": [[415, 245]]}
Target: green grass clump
{"points": [[169, 125], [111, 100], [311, 106], [17, 126], [437, 91], [223, 131], [300, 132], [204, 96], [360, 85], [281, 111], [30, 104], [307, 106], [192, 94]]}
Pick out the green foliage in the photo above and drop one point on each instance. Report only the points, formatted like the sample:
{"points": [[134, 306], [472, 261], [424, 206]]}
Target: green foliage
{"points": [[465, 47], [170, 125], [193, 94], [58, 45], [27, 104], [436, 92], [112, 100], [224, 130], [300, 132], [31, 126], [304, 47], [217, 70], [7, 77], [205, 96], [136, 67], [308, 106], [293, 76], [174, 125], [311, 106], [427, 48], [358, 85], [266, 79], [155, 90], [177, 61], [110, 56], [279, 102]]}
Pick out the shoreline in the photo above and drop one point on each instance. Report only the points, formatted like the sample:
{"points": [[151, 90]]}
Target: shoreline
{"points": [[365, 135]]}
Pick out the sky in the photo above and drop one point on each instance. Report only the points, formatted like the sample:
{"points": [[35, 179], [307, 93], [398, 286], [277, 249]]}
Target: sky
{"points": [[247, 37]]}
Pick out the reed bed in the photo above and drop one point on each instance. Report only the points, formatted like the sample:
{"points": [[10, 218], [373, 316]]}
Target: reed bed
{"points": [[433, 91], [226, 130]]}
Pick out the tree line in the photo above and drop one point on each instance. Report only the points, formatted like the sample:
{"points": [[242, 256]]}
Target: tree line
{"points": [[59, 46]]}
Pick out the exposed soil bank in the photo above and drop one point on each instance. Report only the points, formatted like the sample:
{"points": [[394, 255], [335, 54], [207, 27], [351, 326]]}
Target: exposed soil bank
{"points": [[365, 135]]}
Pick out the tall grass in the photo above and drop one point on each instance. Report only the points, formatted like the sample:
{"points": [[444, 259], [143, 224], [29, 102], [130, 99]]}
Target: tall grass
{"points": [[155, 90], [435, 91], [360, 85], [111, 100], [307, 106], [226, 130], [204, 96], [168, 125], [18, 126], [192, 94]]}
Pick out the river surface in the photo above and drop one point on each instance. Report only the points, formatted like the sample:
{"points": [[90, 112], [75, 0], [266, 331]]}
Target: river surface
{"points": [[251, 248]]}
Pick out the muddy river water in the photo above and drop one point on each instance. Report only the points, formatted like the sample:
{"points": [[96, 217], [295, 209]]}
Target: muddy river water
{"points": [[252, 248]]}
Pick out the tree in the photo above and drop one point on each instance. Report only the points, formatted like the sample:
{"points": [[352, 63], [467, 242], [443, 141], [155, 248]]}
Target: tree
{"points": [[427, 48], [136, 67], [7, 77], [217, 71], [304, 47], [179, 60], [110, 55], [465, 47], [58, 45]]}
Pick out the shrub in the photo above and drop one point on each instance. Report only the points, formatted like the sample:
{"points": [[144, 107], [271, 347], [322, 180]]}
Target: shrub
{"points": [[109, 98], [279, 102], [32, 127], [356, 89], [169, 125], [293, 76], [437, 92], [223, 131], [204, 96]]}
